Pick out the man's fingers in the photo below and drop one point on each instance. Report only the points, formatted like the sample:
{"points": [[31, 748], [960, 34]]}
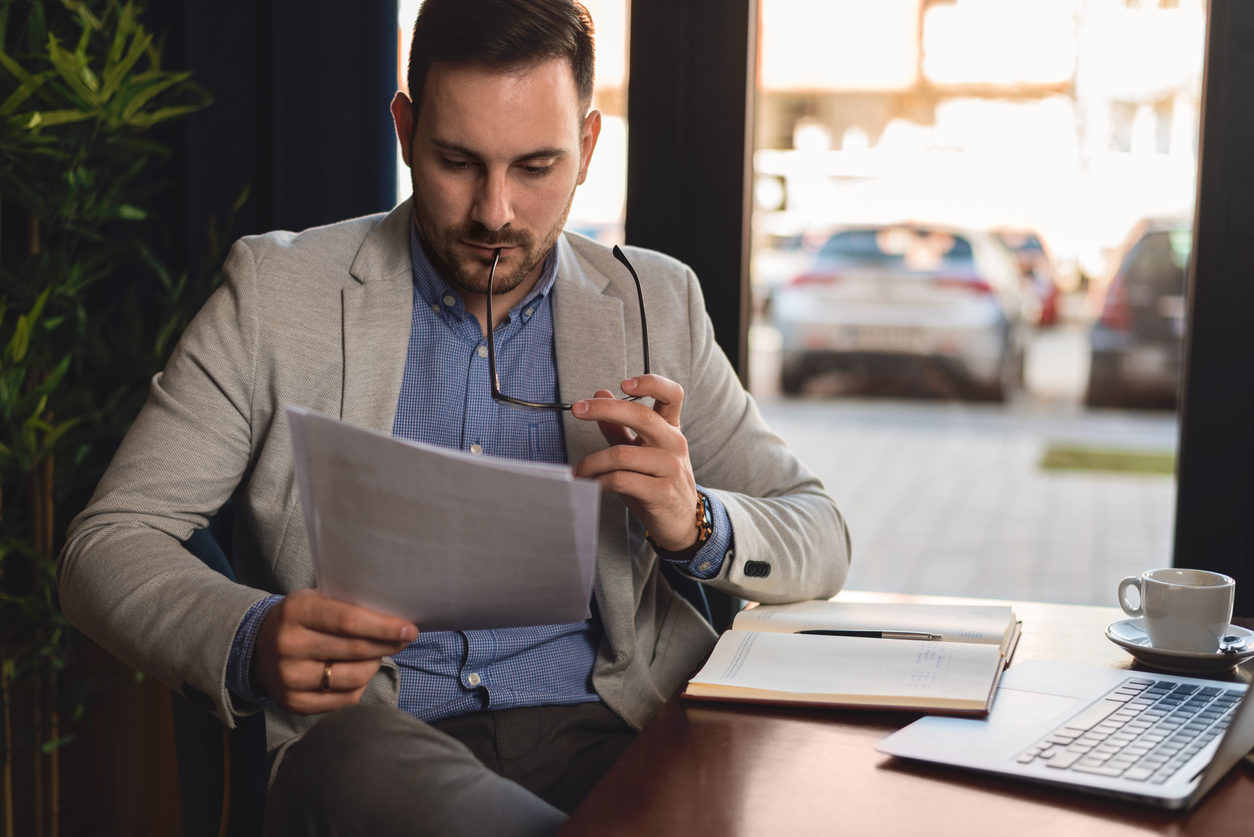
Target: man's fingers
{"points": [[329, 616], [344, 675], [303, 643], [614, 434], [315, 703], [627, 458], [647, 424], [667, 395]]}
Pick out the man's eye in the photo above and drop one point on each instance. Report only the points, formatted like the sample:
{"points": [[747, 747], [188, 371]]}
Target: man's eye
{"points": [[455, 165], [538, 171]]}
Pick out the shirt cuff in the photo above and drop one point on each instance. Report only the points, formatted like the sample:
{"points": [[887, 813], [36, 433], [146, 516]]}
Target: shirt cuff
{"points": [[239, 665], [709, 558]]}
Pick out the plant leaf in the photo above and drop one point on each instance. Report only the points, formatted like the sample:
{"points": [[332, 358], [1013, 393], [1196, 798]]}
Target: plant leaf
{"points": [[115, 76], [21, 94], [18, 71], [147, 120], [125, 25], [144, 96], [68, 67], [48, 118], [84, 13]]}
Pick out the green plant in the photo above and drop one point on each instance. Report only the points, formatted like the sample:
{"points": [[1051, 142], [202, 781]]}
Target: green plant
{"points": [[88, 309]]}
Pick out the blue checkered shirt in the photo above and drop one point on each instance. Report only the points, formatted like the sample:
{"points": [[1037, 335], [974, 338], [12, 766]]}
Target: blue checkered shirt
{"points": [[445, 400]]}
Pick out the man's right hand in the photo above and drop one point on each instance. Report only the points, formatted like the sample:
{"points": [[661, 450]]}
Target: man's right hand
{"points": [[304, 631]]}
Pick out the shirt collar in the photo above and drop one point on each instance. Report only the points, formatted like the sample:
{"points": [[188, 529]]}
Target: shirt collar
{"points": [[432, 287]]}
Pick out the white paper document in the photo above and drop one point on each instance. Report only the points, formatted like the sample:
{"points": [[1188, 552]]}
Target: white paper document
{"points": [[449, 540]]}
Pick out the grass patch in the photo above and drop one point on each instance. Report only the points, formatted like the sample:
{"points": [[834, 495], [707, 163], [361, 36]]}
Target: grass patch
{"points": [[1066, 458]]}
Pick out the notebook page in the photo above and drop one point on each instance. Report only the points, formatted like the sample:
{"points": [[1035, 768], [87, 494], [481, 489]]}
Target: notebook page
{"points": [[850, 666], [955, 623]]}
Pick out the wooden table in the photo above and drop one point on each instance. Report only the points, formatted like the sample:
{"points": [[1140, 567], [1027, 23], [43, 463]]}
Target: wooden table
{"points": [[722, 769]]}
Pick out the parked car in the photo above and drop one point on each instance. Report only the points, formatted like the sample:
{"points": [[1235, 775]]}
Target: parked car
{"points": [[878, 298], [1137, 341], [1038, 272]]}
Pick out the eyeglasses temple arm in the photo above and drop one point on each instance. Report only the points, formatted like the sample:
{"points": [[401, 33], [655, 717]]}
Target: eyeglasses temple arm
{"points": [[644, 326], [496, 387]]}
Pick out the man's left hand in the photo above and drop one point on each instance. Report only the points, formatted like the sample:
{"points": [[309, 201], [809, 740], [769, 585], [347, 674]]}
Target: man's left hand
{"points": [[647, 461]]}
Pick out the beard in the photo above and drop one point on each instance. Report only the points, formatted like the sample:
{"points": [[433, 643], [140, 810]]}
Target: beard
{"points": [[470, 272]]}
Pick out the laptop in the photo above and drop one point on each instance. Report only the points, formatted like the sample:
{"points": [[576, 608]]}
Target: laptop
{"points": [[1155, 739]]}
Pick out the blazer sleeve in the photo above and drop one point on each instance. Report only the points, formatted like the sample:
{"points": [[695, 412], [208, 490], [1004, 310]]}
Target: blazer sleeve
{"points": [[125, 579], [790, 539]]}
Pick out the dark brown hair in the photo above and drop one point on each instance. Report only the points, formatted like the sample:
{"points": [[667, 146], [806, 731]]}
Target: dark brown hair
{"points": [[503, 35]]}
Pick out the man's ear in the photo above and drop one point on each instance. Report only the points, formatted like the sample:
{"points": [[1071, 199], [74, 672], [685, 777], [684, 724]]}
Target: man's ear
{"points": [[587, 143], [403, 119]]}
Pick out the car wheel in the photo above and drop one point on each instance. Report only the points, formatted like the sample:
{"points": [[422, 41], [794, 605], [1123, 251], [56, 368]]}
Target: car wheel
{"points": [[1018, 370], [1011, 378], [1104, 388], [791, 378], [794, 369], [994, 393], [1099, 394]]}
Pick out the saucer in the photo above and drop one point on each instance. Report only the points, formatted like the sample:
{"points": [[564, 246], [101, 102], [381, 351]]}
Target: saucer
{"points": [[1130, 635]]}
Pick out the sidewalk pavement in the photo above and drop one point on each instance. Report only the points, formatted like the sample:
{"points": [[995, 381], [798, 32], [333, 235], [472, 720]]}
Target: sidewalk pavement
{"points": [[948, 499]]}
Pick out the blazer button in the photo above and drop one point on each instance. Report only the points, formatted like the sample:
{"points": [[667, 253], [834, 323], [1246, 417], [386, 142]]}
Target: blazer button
{"points": [[757, 569], [197, 698]]}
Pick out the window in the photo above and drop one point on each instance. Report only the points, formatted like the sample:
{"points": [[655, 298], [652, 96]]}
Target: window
{"points": [[1043, 153]]}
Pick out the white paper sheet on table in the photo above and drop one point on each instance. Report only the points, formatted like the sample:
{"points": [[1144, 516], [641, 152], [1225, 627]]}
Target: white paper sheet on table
{"points": [[449, 540]]}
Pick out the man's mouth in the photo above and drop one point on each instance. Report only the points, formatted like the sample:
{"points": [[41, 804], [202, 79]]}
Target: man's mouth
{"points": [[489, 250]]}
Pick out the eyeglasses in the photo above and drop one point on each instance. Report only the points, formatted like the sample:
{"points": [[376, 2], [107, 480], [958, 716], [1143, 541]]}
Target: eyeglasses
{"points": [[535, 405]]}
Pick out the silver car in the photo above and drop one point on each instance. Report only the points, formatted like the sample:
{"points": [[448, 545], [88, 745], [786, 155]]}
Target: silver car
{"points": [[880, 301]]}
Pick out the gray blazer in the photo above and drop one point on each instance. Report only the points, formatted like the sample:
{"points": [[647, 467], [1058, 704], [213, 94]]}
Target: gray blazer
{"points": [[322, 319]]}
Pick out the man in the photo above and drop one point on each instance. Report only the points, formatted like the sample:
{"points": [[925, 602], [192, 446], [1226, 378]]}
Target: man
{"points": [[382, 321]]}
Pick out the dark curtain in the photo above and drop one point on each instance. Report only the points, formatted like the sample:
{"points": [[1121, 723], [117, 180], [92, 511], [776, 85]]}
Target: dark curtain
{"points": [[301, 113]]}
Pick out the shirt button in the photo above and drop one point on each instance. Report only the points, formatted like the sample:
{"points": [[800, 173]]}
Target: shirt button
{"points": [[476, 449], [483, 351], [435, 309], [450, 300], [703, 566], [473, 679], [528, 312]]}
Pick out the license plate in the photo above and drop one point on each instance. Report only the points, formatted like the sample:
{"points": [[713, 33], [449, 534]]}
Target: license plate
{"points": [[1147, 362], [880, 339]]}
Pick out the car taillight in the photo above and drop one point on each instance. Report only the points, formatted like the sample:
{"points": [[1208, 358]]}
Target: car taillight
{"points": [[974, 285], [1117, 312], [815, 279]]}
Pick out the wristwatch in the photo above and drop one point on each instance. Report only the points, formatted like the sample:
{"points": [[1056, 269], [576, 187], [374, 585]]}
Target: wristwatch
{"points": [[705, 528]]}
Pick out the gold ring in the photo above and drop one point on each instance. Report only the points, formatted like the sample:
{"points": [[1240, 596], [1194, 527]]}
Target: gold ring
{"points": [[326, 676]]}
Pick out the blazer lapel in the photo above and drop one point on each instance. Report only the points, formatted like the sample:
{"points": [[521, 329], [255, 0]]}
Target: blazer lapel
{"points": [[590, 339], [378, 313]]}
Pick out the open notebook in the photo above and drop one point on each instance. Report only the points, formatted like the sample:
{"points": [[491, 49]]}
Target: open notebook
{"points": [[830, 654]]}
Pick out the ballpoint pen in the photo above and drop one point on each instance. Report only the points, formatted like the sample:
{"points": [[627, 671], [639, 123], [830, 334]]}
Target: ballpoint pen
{"points": [[920, 635]]}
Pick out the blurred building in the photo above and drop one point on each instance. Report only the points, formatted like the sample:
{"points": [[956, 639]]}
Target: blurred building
{"points": [[1071, 117]]}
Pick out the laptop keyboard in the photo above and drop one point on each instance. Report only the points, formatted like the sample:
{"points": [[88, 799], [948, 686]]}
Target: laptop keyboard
{"points": [[1143, 731]]}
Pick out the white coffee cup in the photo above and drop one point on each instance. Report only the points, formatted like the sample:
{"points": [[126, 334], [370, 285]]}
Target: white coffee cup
{"points": [[1183, 610]]}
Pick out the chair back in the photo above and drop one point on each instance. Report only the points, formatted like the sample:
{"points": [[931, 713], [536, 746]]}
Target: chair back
{"points": [[717, 607]]}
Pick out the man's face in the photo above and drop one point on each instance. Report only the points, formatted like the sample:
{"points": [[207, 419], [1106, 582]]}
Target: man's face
{"points": [[495, 160]]}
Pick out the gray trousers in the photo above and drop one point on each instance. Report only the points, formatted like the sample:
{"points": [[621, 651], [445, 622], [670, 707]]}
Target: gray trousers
{"points": [[374, 770]]}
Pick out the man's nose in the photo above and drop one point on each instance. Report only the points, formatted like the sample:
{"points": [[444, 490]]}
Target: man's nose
{"points": [[492, 203]]}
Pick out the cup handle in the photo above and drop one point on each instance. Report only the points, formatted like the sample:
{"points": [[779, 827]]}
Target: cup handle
{"points": [[1131, 581]]}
